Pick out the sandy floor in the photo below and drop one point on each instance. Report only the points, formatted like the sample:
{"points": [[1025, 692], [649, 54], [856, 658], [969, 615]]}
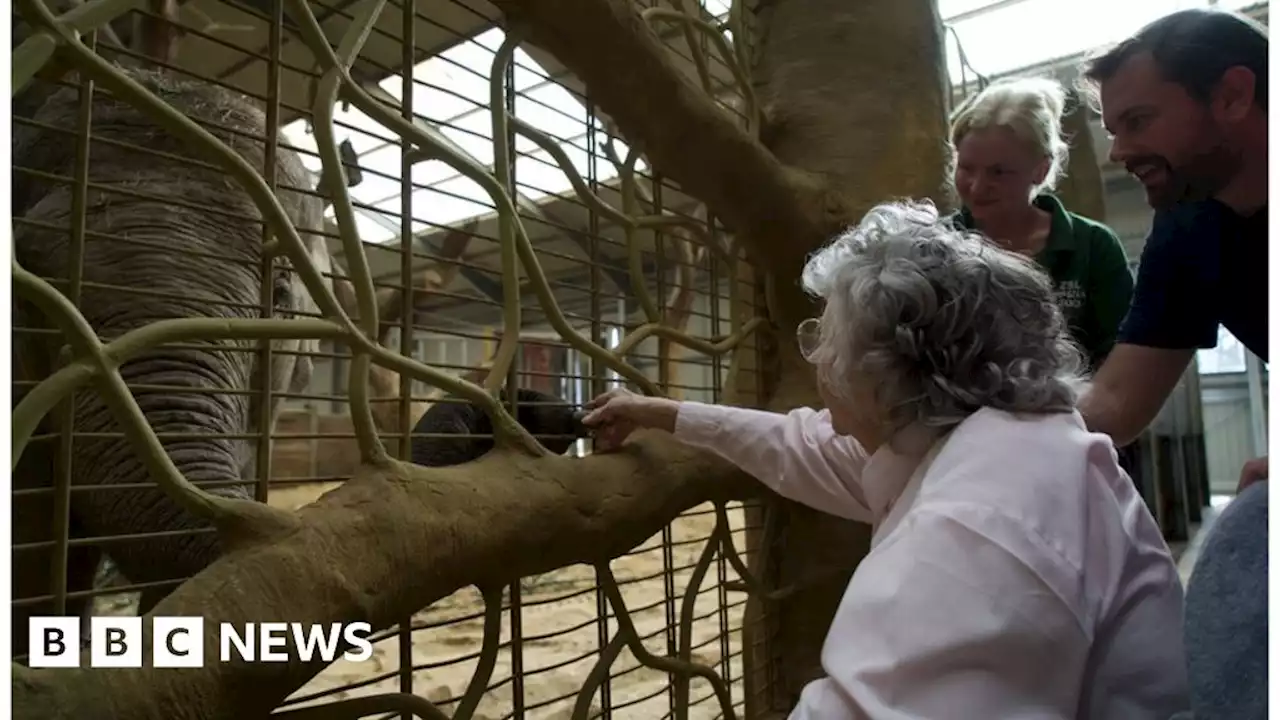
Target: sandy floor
{"points": [[560, 628]]}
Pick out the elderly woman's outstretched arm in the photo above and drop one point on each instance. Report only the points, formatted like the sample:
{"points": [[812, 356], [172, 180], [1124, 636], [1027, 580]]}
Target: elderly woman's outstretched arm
{"points": [[798, 454]]}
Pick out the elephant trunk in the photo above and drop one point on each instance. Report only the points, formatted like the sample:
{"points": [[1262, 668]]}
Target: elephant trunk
{"points": [[164, 239], [181, 392]]}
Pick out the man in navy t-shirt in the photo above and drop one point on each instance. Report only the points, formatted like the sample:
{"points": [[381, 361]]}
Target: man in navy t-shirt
{"points": [[1185, 100], [1186, 103], [1204, 264]]}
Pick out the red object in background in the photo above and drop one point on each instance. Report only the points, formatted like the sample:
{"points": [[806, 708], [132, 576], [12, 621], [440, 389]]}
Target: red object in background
{"points": [[537, 367]]}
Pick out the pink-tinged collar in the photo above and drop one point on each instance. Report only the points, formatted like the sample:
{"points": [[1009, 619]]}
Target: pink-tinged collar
{"points": [[889, 470]]}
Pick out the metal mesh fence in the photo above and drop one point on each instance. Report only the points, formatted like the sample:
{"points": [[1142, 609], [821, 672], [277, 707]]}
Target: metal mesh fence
{"points": [[451, 289]]}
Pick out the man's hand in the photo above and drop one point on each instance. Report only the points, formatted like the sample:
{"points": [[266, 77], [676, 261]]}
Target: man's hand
{"points": [[618, 413], [1253, 471]]}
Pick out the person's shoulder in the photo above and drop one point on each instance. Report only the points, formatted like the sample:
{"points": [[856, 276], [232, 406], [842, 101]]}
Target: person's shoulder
{"points": [[1005, 459], [1026, 481], [1096, 230], [1021, 462], [1099, 236], [1193, 212], [1084, 230], [1029, 436], [1087, 224], [1043, 474], [1185, 225]]}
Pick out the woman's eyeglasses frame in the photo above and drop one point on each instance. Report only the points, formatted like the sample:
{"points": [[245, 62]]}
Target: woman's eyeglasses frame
{"points": [[808, 337]]}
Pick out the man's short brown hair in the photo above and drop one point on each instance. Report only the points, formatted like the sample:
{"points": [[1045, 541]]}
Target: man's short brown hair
{"points": [[1193, 48]]}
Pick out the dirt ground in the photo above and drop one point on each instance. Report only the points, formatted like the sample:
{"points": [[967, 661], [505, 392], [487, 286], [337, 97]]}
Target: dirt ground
{"points": [[560, 628]]}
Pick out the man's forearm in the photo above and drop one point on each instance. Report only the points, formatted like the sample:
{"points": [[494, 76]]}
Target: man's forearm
{"points": [[1130, 388], [1102, 413]]}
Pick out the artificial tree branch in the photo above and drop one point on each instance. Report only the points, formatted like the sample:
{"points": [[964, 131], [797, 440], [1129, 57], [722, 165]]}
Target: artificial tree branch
{"points": [[627, 218], [691, 39], [383, 382], [727, 55], [679, 304], [385, 544], [361, 707], [607, 45], [505, 427], [160, 31], [504, 175], [371, 447]]}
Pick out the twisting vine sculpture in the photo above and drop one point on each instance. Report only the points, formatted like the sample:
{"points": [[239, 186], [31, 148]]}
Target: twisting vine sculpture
{"points": [[93, 362]]}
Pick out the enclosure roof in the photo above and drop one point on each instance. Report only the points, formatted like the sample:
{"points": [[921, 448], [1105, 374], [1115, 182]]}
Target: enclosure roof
{"points": [[1002, 36], [454, 86], [455, 42]]}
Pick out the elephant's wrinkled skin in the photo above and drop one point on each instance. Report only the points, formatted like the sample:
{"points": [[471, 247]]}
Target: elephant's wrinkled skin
{"points": [[181, 253]]}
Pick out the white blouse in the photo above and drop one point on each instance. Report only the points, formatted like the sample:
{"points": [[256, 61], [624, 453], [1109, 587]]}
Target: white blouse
{"points": [[1014, 571]]}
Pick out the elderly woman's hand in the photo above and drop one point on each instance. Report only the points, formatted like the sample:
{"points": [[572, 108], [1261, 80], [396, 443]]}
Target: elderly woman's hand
{"points": [[618, 413]]}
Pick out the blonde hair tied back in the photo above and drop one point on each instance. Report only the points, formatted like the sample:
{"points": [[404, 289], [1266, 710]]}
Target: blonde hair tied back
{"points": [[1030, 107]]}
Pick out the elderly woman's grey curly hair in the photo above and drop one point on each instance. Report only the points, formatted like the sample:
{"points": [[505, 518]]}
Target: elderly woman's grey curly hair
{"points": [[938, 322]]}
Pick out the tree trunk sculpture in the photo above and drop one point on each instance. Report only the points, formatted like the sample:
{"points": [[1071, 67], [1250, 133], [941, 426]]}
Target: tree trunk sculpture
{"points": [[846, 109], [1081, 188], [867, 117]]}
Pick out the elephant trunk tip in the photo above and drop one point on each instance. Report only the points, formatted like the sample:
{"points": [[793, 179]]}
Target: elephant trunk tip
{"points": [[579, 428]]}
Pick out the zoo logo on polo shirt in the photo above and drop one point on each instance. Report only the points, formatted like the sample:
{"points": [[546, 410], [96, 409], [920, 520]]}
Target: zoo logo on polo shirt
{"points": [[178, 642], [1070, 295]]}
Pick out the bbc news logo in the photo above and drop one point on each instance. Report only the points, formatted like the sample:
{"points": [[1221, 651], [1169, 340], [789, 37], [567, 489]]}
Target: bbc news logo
{"points": [[178, 642]]}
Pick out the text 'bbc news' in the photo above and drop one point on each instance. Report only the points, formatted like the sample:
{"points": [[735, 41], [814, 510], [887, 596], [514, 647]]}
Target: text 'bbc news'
{"points": [[178, 642]]}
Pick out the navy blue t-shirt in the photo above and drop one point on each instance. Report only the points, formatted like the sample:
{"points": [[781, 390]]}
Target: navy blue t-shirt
{"points": [[1203, 265]]}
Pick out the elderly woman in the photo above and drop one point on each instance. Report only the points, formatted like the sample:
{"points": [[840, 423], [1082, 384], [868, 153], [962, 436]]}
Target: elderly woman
{"points": [[1013, 570]]}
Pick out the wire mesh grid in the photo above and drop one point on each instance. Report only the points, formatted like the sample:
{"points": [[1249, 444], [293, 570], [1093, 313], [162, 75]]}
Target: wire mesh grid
{"points": [[431, 239]]}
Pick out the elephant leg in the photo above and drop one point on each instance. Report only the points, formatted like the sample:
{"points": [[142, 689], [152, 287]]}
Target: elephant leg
{"points": [[82, 567], [32, 572], [34, 569], [32, 522], [83, 562], [106, 577]]}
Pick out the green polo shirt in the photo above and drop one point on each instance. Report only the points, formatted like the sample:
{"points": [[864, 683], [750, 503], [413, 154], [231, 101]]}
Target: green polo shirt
{"points": [[1090, 275]]}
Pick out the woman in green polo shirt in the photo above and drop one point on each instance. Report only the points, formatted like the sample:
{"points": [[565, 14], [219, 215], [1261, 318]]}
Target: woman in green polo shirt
{"points": [[1008, 154]]}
